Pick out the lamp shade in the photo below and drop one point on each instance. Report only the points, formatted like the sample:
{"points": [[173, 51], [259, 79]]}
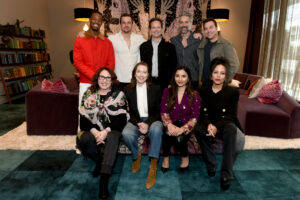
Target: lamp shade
{"points": [[220, 15], [82, 14]]}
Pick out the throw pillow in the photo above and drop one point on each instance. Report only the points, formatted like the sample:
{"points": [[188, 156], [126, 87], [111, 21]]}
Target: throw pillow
{"points": [[256, 88], [57, 86], [270, 93], [250, 87]]}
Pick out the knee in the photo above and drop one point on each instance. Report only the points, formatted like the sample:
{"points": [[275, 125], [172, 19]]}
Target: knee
{"points": [[85, 139], [113, 135], [230, 130], [156, 128], [240, 141]]}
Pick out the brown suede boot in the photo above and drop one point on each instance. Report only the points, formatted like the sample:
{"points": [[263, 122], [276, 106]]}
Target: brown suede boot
{"points": [[136, 164], [152, 174]]}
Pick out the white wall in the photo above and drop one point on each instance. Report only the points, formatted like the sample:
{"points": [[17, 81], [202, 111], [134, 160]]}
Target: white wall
{"points": [[33, 12], [236, 29]]}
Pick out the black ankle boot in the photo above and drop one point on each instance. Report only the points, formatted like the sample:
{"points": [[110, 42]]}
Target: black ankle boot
{"points": [[103, 186]]}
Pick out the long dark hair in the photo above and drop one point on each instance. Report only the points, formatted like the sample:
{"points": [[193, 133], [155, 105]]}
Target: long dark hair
{"points": [[174, 88], [132, 83], [220, 61], [114, 82]]}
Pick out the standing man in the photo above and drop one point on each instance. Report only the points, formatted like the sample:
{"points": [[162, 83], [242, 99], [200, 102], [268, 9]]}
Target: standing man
{"points": [[186, 47], [159, 55], [214, 45], [92, 52], [126, 47]]}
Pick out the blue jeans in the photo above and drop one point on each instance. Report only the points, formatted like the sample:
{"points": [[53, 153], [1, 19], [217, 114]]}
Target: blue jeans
{"points": [[131, 133]]}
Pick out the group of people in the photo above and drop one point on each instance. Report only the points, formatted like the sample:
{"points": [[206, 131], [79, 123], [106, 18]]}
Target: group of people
{"points": [[131, 87]]}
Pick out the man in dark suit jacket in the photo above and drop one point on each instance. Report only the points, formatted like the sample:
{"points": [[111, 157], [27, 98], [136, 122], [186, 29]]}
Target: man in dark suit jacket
{"points": [[159, 55]]}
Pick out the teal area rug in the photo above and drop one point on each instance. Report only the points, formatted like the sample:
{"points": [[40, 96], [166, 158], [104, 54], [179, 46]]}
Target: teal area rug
{"points": [[259, 174], [11, 116]]}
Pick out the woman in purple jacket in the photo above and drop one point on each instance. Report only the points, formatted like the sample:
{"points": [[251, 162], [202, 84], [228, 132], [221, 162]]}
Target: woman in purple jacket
{"points": [[180, 109]]}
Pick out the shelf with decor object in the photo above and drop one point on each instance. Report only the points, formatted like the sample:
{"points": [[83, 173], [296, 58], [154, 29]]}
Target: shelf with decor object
{"points": [[24, 61]]}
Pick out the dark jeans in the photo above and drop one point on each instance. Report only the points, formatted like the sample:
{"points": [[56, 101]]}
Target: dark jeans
{"points": [[88, 146], [228, 135], [169, 141]]}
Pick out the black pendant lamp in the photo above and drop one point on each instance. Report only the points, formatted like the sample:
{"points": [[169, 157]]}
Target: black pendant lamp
{"points": [[82, 14], [220, 15]]}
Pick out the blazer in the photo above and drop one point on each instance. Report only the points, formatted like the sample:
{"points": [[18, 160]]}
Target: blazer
{"points": [[153, 98], [167, 60], [219, 108]]}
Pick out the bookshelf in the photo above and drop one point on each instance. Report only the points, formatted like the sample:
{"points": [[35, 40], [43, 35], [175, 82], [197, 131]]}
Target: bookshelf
{"points": [[24, 61]]}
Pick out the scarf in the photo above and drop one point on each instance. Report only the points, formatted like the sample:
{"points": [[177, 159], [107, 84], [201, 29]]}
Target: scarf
{"points": [[98, 113]]}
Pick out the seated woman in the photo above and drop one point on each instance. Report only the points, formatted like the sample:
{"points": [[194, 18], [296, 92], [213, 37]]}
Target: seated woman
{"points": [[103, 115], [180, 108], [218, 118], [144, 103]]}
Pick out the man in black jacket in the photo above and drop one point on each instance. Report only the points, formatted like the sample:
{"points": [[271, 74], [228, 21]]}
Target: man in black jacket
{"points": [[159, 55]]}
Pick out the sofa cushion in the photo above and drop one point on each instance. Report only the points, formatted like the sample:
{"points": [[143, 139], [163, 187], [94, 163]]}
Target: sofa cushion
{"points": [[256, 88], [54, 86], [251, 87], [270, 92]]}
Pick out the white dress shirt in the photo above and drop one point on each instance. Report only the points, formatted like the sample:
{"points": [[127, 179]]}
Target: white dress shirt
{"points": [[126, 58], [142, 101]]}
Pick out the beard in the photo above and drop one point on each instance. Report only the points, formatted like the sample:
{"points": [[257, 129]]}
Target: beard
{"points": [[184, 29]]}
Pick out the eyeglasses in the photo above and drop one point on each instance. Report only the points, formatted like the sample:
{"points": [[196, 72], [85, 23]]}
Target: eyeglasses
{"points": [[105, 78]]}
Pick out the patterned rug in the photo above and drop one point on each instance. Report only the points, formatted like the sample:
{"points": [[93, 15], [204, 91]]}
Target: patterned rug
{"points": [[19, 140]]}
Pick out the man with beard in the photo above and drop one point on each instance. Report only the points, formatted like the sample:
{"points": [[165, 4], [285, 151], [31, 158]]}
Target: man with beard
{"points": [[214, 45], [92, 52], [186, 47], [159, 55], [127, 49]]}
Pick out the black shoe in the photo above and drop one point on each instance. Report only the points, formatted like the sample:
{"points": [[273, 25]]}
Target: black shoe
{"points": [[182, 169], [103, 186], [225, 183], [211, 171], [164, 170]]}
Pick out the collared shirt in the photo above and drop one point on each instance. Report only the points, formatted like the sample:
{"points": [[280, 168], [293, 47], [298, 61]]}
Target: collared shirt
{"points": [[142, 103], [92, 53], [126, 58], [187, 56], [155, 58]]}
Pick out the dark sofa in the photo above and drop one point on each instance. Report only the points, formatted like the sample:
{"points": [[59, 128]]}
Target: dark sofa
{"points": [[52, 113], [279, 120]]}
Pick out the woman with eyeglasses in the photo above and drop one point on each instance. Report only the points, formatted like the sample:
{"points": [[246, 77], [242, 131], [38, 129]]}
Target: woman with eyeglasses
{"points": [[180, 108], [103, 115]]}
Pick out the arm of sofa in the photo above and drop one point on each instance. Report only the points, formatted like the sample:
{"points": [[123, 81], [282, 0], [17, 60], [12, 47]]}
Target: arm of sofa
{"points": [[292, 107], [51, 112]]}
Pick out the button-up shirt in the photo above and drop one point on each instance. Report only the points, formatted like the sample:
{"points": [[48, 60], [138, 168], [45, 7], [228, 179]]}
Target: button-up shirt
{"points": [[126, 57], [187, 56], [155, 58]]}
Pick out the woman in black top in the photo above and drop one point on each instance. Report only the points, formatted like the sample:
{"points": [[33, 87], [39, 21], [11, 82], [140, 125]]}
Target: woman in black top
{"points": [[103, 115], [218, 118]]}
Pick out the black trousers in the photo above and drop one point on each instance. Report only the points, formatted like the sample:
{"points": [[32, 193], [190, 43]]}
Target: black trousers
{"points": [[88, 146], [169, 141], [228, 135]]}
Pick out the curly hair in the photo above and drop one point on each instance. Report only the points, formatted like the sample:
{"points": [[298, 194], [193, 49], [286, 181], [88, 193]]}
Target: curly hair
{"points": [[114, 82]]}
